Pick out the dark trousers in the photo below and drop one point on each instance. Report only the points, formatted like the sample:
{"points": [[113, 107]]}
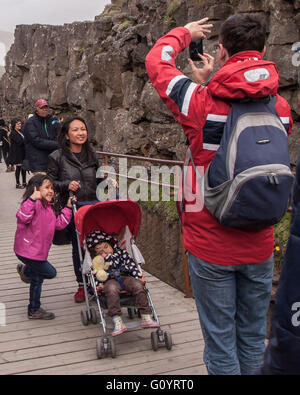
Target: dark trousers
{"points": [[134, 287], [37, 271], [75, 252], [19, 171], [4, 153]]}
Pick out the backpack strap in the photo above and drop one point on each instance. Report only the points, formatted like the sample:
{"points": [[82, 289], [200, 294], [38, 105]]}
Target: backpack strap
{"points": [[189, 158]]}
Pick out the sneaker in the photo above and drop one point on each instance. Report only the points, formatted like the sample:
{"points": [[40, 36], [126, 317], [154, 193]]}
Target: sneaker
{"points": [[41, 314], [21, 269], [147, 322], [79, 297], [120, 327]]}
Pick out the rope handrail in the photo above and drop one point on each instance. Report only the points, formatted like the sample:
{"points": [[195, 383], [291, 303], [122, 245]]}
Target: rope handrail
{"points": [[188, 292], [142, 158]]}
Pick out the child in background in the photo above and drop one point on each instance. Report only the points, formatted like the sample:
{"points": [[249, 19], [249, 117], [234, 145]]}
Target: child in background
{"points": [[123, 274], [36, 223]]}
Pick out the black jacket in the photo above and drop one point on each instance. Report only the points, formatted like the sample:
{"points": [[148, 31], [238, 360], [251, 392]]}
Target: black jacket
{"points": [[282, 356], [40, 140], [64, 168], [4, 140], [17, 148]]}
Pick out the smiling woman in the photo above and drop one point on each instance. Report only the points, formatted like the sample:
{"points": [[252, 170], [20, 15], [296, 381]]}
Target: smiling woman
{"points": [[73, 168]]}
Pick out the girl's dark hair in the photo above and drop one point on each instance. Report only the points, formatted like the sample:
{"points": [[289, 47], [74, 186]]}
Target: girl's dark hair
{"points": [[243, 32], [36, 182], [87, 152]]}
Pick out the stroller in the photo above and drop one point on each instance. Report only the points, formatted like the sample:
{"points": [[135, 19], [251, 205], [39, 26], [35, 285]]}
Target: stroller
{"points": [[117, 217]]}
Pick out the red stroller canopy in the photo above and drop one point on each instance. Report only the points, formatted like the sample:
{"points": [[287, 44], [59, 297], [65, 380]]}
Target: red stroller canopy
{"points": [[110, 216]]}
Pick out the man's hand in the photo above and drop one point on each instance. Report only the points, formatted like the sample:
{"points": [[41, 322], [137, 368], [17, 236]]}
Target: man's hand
{"points": [[199, 29], [200, 76]]}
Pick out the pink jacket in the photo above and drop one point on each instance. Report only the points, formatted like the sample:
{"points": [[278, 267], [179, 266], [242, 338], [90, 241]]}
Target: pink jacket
{"points": [[35, 229]]}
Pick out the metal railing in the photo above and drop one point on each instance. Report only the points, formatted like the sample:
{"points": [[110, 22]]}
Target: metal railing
{"points": [[107, 155]]}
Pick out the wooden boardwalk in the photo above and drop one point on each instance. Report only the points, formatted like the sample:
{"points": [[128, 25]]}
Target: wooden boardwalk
{"points": [[64, 346]]}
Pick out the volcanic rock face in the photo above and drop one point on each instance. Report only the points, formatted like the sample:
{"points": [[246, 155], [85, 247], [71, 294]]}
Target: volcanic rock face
{"points": [[96, 69]]}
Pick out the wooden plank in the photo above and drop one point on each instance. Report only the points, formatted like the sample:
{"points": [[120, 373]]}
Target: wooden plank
{"points": [[64, 345]]}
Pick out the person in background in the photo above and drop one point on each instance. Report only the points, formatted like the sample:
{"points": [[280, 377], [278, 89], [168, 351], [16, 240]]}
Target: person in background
{"points": [[17, 152], [40, 134], [282, 356], [4, 144]]}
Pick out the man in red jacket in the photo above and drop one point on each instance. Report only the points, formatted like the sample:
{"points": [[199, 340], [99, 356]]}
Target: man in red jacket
{"points": [[231, 269]]}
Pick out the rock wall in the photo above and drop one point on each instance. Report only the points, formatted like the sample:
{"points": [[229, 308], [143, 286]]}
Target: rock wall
{"points": [[96, 69]]}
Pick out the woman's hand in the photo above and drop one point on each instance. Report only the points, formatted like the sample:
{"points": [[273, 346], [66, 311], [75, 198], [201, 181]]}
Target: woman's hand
{"points": [[36, 195], [74, 186], [200, 76], [199, 29]]}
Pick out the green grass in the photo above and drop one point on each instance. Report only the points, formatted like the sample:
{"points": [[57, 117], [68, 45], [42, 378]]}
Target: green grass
{"points": [[281, 236], [173, 6]]}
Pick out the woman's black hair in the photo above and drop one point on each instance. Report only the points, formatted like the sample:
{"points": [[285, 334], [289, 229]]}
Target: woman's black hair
{"points": [[36, 182], [14, 122], [86, 153]]}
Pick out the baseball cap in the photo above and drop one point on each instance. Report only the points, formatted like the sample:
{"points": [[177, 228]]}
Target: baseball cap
{"points": [[41, 103]]}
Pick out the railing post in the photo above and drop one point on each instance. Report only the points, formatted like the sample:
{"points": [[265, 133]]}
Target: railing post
{"points": [[106, 164], [187, 284]]}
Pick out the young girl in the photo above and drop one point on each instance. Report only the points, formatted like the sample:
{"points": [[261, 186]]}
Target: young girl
{"points": [[123, 274], [36, 223]]}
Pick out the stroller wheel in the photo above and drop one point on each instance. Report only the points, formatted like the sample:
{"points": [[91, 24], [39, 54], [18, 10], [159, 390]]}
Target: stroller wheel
{"points": [[99, 348], [94, 318], [113, 350], [84, 317], [154, 341], [168, 340]]}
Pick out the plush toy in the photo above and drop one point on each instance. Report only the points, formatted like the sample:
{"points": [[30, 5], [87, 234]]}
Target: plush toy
{"points": [[100, 267]]}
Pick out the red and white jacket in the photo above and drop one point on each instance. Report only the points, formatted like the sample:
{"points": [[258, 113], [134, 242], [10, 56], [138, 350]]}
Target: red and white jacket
{"points": [[202, 111]]}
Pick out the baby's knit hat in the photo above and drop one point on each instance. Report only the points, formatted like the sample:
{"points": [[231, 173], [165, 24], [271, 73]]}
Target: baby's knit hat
{"points": [[98, 236]]}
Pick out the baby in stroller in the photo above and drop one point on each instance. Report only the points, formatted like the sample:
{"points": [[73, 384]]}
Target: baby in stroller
{"points": [[123, 275]]}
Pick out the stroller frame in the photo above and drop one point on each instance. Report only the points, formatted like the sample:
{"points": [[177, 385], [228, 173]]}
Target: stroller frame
{"points": [[106, 345]]}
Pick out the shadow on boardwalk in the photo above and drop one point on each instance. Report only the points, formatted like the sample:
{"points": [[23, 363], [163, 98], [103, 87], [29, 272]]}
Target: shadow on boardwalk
{"points": [[64, 345]]}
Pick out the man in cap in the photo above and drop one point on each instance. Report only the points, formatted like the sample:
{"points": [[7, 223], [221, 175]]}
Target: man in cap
{"points": [[40, 133]]}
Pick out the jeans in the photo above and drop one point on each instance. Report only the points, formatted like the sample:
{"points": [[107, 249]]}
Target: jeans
{"points": [[232, 303], [37, 271]]}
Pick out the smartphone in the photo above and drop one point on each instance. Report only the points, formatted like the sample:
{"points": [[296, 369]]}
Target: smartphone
{"points": [[196, 47]]}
